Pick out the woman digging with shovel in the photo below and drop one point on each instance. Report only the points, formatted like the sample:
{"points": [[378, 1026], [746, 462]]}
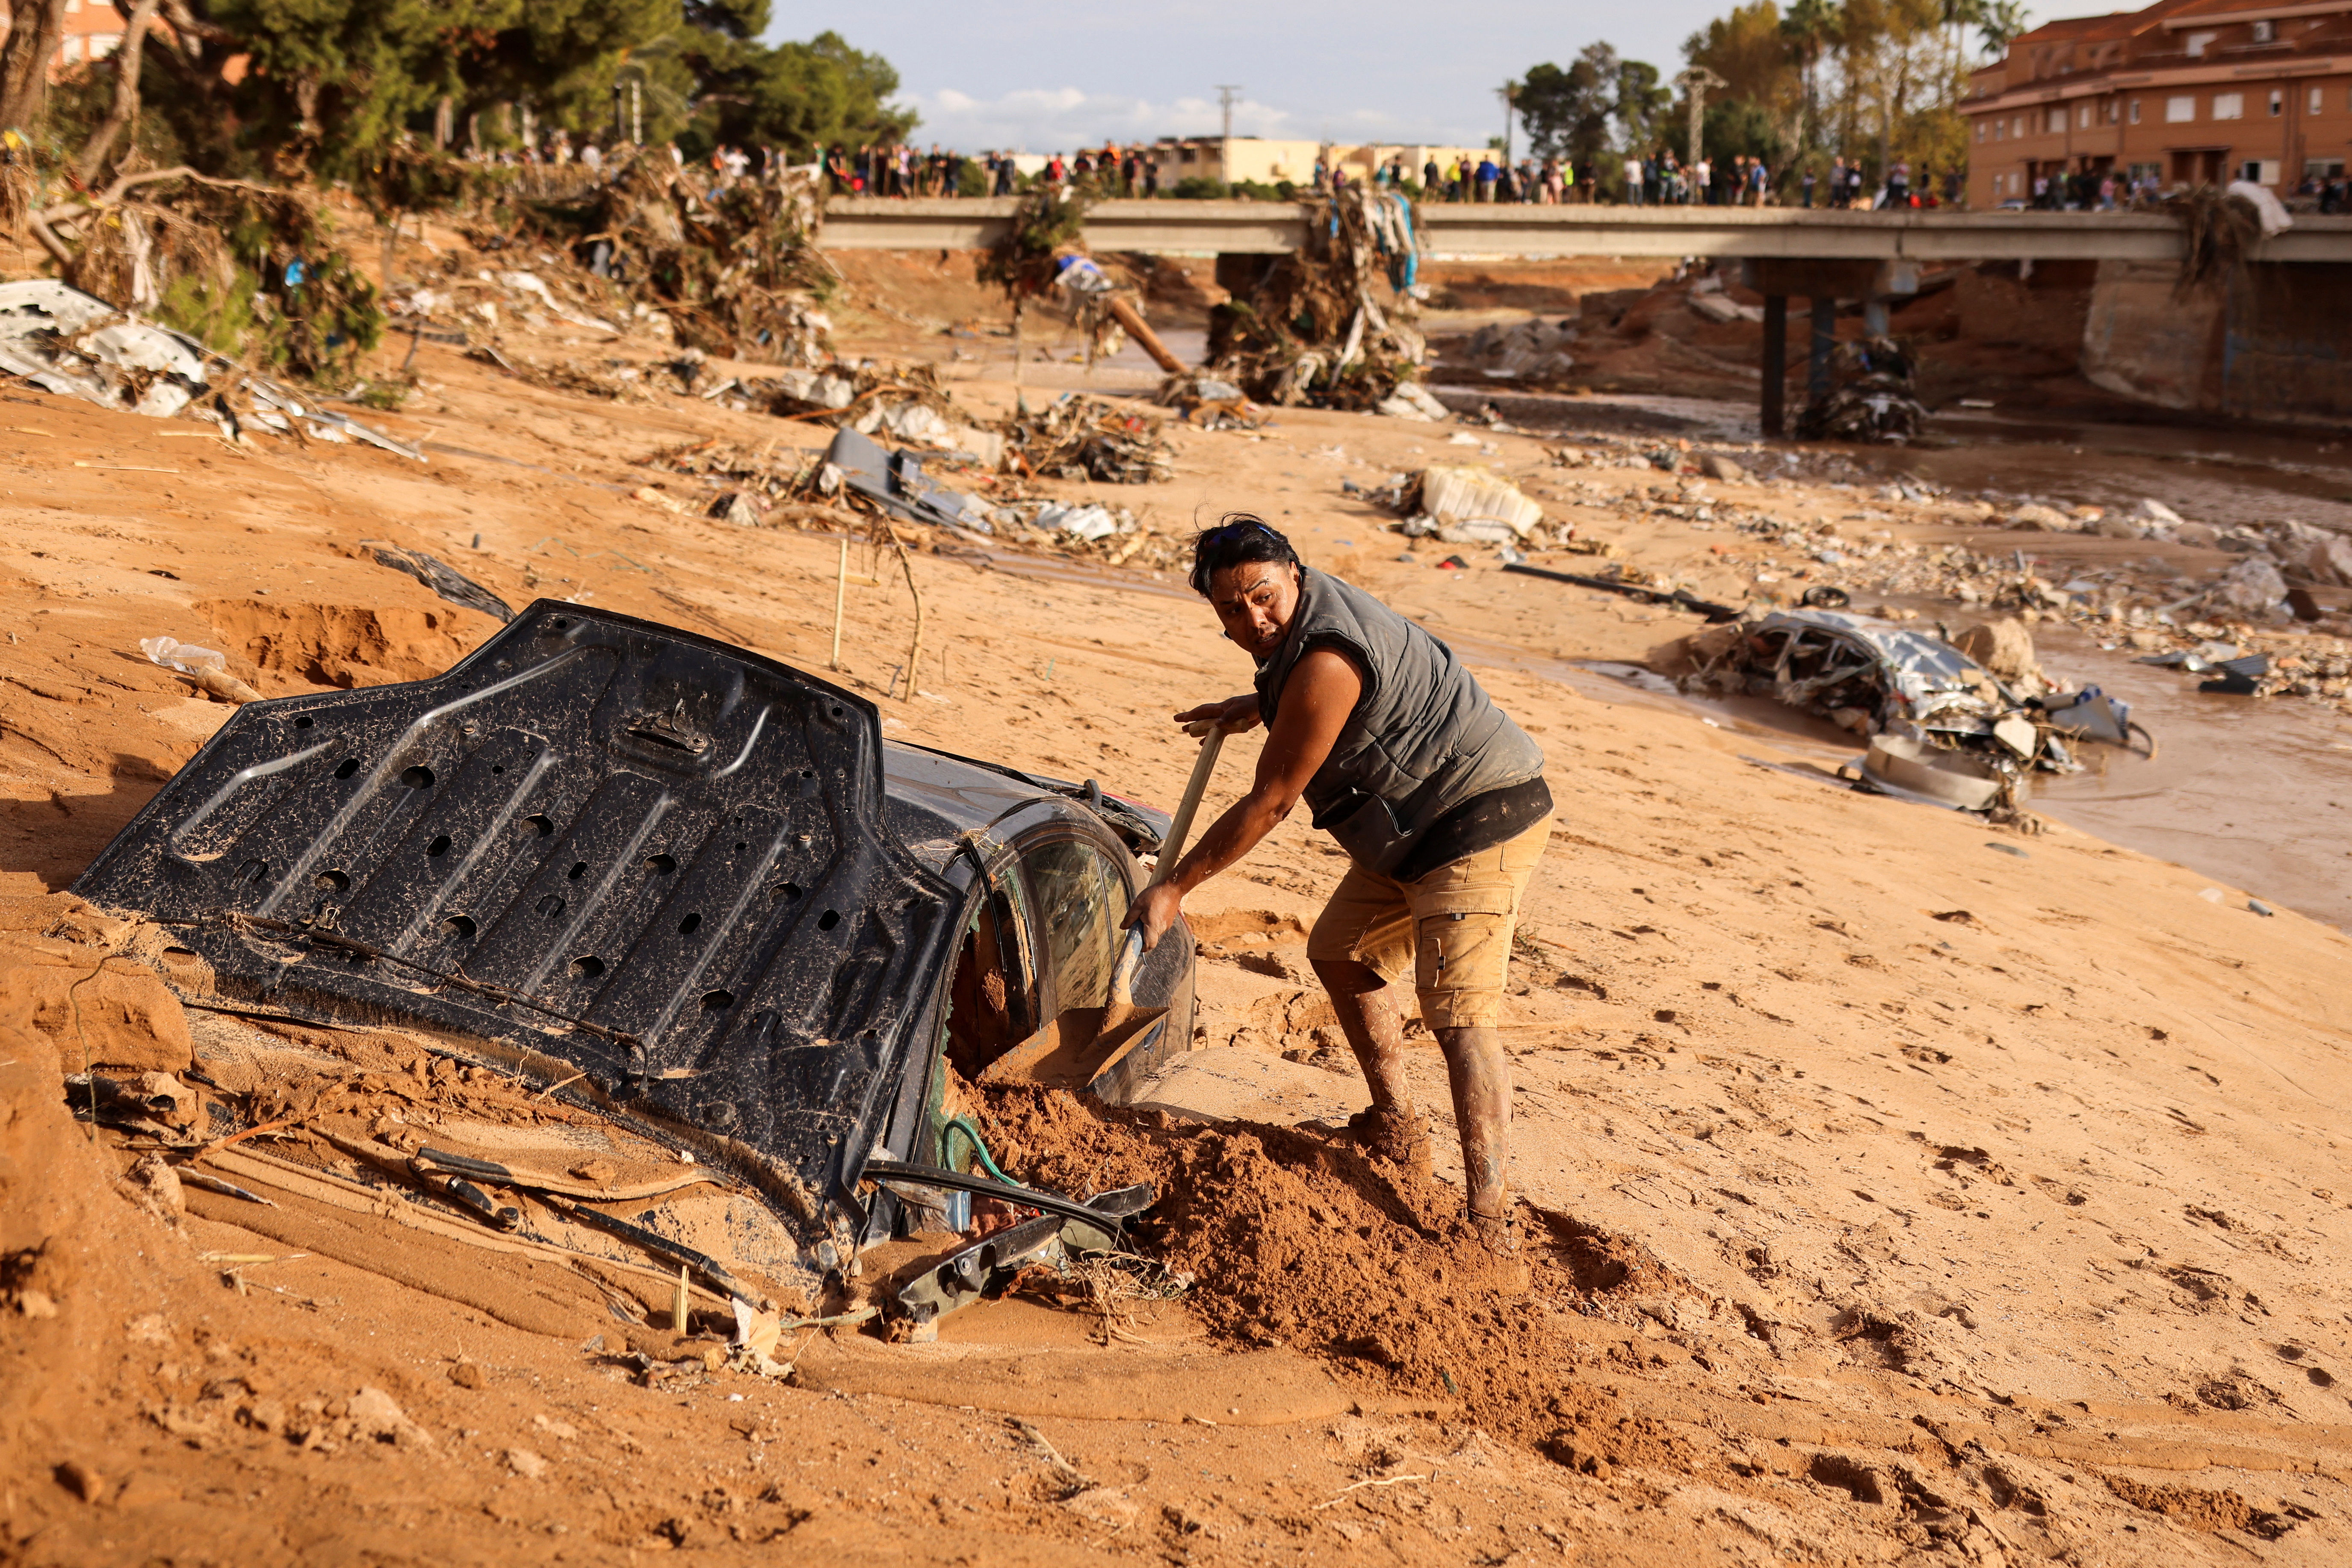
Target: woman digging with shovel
{"points": [[1435, 795]]}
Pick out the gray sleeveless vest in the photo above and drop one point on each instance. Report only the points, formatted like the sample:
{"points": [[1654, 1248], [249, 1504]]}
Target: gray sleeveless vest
{"points": [[1424, 738]]}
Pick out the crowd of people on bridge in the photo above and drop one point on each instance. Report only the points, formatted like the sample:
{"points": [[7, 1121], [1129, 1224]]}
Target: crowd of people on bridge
{"points": [[1657, 178]]}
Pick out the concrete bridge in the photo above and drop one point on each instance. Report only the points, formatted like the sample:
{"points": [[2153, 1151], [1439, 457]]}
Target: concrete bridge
{"points": [[1261, 228], [2278, 340]]}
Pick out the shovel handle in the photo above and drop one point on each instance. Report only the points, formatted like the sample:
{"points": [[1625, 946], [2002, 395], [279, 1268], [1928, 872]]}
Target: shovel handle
{"points": [[1122, 976], [1172, 848]]}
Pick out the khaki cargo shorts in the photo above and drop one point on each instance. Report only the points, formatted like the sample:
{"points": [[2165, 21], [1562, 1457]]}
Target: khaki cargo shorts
{"points": [[1452, 929]]}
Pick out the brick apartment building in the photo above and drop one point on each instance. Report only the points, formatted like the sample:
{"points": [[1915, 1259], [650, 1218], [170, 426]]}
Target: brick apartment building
{"points": [[2186, 92]]}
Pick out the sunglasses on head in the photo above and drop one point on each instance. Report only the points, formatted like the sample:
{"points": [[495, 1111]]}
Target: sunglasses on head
{"points": [[1225, 533]]}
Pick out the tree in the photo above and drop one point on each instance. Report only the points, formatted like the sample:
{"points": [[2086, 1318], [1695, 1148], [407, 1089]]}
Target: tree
{"points": [[1641, 104], [34, 30], [804, 97], [1759, 108], [1999, 22], [1809, 29], [1566, 112]]}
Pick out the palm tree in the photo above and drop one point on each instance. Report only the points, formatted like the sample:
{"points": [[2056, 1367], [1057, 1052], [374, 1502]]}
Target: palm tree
{"points": [[1809, 26], [1959, 15], [1998, 22]]}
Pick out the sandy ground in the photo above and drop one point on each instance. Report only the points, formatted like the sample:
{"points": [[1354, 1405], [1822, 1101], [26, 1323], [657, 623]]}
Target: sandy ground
{"points": [[1902, 1190]]}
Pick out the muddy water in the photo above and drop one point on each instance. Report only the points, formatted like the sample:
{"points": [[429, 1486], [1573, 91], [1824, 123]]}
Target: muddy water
{"points": [[2254, 794], [2215, 475]]}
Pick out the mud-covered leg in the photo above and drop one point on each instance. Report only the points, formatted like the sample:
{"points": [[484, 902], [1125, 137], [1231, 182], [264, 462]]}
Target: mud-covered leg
{"points": [[1368, 1016], [1480, 1074]]}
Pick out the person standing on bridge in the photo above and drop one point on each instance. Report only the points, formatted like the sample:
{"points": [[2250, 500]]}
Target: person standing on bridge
{"points": [[1633, 178], [1440, 803]]}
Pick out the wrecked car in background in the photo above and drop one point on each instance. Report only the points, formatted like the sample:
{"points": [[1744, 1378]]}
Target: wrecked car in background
{"points": [[1942, 728], [692, 894]]}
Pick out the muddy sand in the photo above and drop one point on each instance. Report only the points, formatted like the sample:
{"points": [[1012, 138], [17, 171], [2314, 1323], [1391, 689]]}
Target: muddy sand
{"points": [[1898, 1189]]}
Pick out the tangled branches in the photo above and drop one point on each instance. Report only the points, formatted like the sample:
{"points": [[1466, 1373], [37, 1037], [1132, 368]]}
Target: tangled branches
{"points": [[1025, 260], [254, 271], [2219, 231], [733, 270], [1312, 332]]}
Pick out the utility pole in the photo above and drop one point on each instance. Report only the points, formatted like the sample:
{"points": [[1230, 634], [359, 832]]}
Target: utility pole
{"points": [[1228, 94]]}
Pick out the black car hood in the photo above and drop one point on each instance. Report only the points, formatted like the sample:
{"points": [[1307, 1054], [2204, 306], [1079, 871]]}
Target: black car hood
{"points": [[639, 852]]}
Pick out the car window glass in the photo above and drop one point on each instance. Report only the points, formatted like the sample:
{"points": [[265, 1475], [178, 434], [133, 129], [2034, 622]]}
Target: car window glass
{"points": [[990, 1006], [1078, 898]]}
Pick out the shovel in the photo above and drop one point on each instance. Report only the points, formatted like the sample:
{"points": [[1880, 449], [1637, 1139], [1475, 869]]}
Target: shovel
{"points": [[1077, 1047]]}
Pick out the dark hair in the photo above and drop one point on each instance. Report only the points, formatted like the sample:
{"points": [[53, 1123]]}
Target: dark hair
{"points": [[1238, 539]]}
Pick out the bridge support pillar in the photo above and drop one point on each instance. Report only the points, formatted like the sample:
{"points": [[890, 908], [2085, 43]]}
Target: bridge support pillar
{"points": [[1775, 366], [1817, 362]]}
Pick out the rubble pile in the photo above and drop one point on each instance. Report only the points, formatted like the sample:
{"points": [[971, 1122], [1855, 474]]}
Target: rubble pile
{"points": [[1942, 727], [1871, 400], [2246, 612], [1533, 353], [734, 270], [1075, 438], [76, 345], [1312, 332], [256, 273], [1206, 402]]}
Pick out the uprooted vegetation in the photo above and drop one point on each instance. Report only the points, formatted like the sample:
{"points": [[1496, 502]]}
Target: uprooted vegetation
{"points": [[1312, 330]]}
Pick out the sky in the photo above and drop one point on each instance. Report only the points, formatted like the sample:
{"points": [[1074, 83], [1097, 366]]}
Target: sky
{"points": [[1045, 78]]}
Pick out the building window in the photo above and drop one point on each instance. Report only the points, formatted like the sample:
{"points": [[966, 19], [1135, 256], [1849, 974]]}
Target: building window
{"points": [[2056, 122], [2278, 103], [2197, 42], [2266, 32], [103, 44], [2312, 105], [70, 50], [2017, 126], [2228, 106], [2134, 111], [2177, 110], [1982, 128]]}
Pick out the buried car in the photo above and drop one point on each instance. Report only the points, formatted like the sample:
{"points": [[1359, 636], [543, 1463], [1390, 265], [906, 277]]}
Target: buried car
{"points": [[1942, 728], [690, 891]]}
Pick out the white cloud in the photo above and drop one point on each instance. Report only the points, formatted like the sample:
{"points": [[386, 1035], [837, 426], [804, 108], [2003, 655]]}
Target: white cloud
{"points": [[1062, 120]]}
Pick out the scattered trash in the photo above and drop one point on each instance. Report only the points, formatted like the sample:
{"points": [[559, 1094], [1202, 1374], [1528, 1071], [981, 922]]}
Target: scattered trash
{"points": [[443, 579], [1075, 438], [76, 345], [1873, 400], [1311, 331], [895, 484], [2260, 908], [1533, 351], [206, 668], [1956, 735], [1681, 598], [1410, 400], [733, 270]]}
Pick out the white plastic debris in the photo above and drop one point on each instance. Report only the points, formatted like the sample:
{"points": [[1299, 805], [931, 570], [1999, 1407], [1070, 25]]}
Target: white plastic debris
{"points": [[1465, 497], [1410, 400], [185, 657], [1087, 522]]}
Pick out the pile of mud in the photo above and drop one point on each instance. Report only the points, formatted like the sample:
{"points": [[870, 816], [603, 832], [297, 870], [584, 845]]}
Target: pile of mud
{"points": [[1296, 1238]]}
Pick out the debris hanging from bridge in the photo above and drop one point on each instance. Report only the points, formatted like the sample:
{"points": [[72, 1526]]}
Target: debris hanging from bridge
{"points": [[1311, 331], [1873, 400]]}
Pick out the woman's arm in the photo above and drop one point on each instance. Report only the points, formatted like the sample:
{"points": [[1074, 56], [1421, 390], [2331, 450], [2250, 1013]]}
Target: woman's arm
{"points": [[1321, 692]]}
